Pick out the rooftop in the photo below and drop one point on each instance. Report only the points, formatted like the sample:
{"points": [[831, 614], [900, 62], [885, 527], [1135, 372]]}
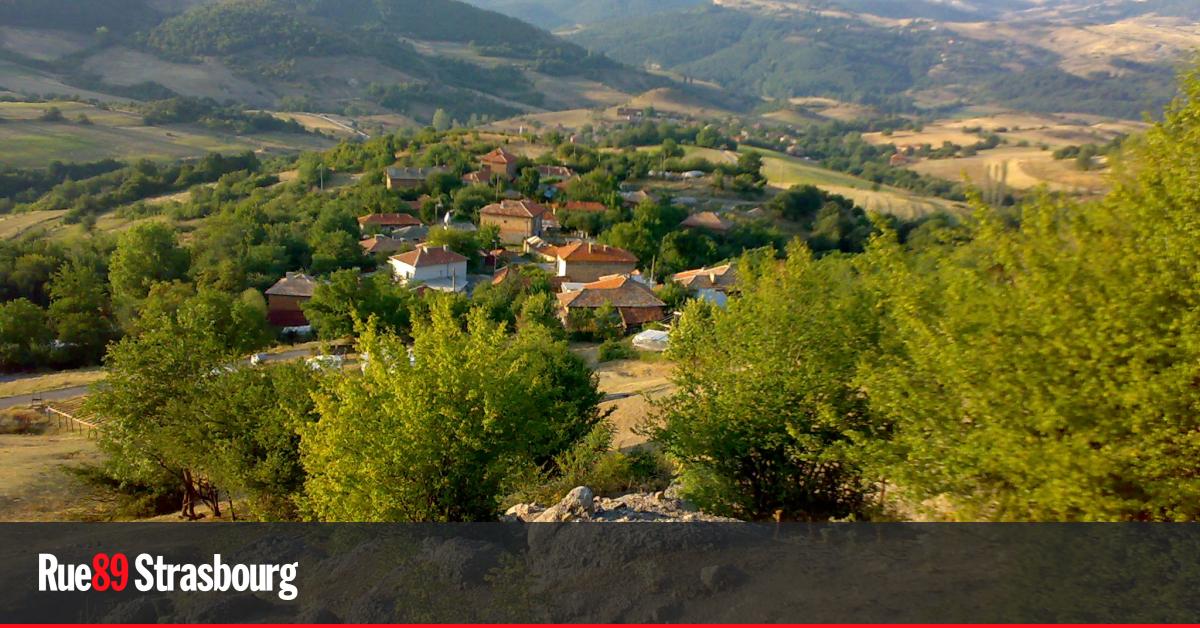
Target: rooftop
{"points": [[621, 291], [388, 220], [716, 277], [514, 208], [588, 252], [707, 220], [412, 173], [500, 156], [293, 285], [429, 256]]}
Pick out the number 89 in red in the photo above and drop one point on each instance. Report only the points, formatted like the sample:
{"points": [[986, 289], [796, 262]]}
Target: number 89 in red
{"points": [[110, 572]]}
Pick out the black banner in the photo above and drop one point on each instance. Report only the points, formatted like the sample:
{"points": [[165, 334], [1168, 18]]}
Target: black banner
{"points": [[579, 572]]}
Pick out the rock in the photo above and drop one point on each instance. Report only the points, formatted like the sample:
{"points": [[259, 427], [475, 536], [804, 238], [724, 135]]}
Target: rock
{"points": [[578, 505], [523, 512], [581, 505], [719, 577]]}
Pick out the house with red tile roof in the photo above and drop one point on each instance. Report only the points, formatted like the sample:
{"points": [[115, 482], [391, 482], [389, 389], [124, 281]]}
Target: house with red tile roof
{"points": [[516, 219], [581, 262], [559, 173], [722, 278], [584, 206], [437, 267], [634, 301], [383, 245], [501, 162]]}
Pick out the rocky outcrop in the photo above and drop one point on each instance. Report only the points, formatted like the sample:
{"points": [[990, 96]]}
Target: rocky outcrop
{"points": [[581, 505]]}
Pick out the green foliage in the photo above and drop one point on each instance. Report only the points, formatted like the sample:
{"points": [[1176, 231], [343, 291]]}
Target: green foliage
{"points": [[848, 58], [593, 463], [1047, 372], [345, 299], [451, 428], [767, 418], [146, 254], [613, 349], [210, 114], [24, 335], [179, 412], [80, 314]]}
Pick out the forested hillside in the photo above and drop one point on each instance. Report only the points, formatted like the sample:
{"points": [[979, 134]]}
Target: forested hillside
{"points": [[564, 13], [403, 56], [828, 54]]}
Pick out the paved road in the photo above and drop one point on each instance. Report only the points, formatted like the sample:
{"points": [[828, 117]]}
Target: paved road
{"points": [[76, 391]]}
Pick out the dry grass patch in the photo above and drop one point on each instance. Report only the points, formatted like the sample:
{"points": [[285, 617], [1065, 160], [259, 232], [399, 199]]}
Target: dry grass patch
{"points": [[51, 381]]}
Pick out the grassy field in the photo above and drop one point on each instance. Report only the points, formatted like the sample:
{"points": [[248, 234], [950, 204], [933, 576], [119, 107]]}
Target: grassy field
{"points": [[30, 142], [784, 171], [1026, 155], [1026, 168]]}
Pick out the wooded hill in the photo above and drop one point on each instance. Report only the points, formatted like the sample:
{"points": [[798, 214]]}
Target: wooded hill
{"points": [[826, 49], [404, 56]]}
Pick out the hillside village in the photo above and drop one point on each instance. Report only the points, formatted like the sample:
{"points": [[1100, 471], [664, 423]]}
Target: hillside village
{"points": [[465, 271], [591, 279]]}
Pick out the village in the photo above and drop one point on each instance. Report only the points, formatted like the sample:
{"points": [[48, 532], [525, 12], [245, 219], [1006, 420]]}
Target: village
{"points": [[586, 276]]}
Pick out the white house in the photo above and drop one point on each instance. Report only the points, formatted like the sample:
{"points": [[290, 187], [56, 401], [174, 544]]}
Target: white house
{"points": [[437, 267]]}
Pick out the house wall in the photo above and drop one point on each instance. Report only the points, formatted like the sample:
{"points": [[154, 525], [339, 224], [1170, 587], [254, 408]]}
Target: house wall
{"points": [[286, 305], [428, 273], [508, 170], [402, 184], [584, 272], [513, 230]]}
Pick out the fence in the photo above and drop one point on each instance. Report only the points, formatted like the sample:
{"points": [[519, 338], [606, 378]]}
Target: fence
{"points": [[70, 415]]}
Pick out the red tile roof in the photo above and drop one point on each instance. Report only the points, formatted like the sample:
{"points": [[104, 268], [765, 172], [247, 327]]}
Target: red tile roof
{"points": [[429, 256], [479, 176], [585, 206], [717, 277], [500, 156], [381, 244], [588, 252], [517, 209], [388, 220], [619, 290]]}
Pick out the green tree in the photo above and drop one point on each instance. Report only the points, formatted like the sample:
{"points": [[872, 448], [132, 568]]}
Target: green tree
{"points": [[346, 298], [529, 181], [146, 254], [1047, 372], [80, 314], [441, 436], [767, 418], [24, 335], [441, 120]]}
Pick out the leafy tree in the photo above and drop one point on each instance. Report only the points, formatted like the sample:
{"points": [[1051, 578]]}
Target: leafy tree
{"points": [[441, 120], [441, 436], [346, 299], [152, 397], [24, 335], [146, 254], [767, 419], [529, 181], [1047, 372], [80, 313]]}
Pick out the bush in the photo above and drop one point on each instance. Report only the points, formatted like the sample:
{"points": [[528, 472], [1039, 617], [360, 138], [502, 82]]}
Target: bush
{"points": [[615, 350], [593, 463]]}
